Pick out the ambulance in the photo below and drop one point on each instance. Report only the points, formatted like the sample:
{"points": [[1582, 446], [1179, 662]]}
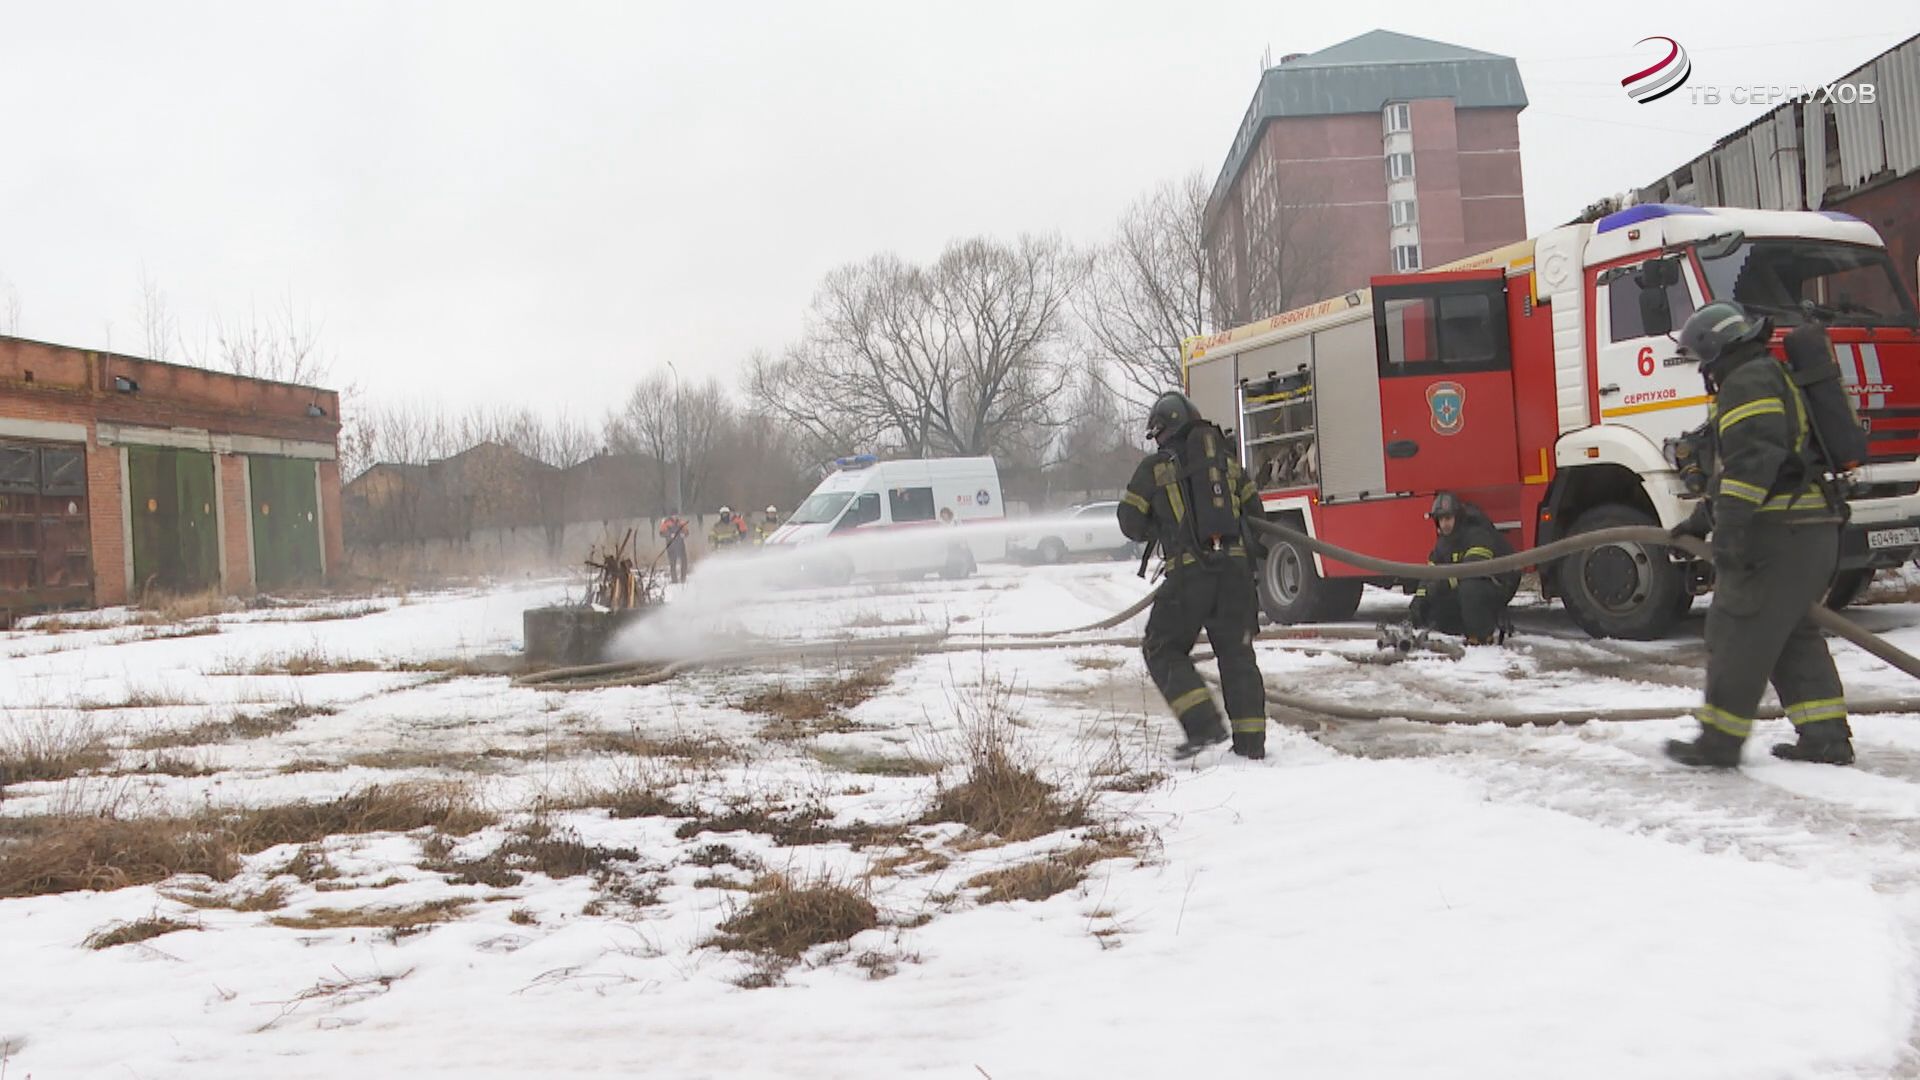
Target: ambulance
{"points": [[903, 519]]}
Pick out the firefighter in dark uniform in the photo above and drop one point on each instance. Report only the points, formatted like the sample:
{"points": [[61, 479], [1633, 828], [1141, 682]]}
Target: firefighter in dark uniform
{"points": [[1776, 539], [1191, 499], [1470, 607]]}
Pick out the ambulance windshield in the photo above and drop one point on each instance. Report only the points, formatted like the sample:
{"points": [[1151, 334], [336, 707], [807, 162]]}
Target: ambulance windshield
{"points": [[1845, 284], [820, 508]]}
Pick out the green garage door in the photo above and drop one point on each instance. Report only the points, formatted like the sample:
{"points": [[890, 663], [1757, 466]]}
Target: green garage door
{"points": [[176, 538], [286, 522]]}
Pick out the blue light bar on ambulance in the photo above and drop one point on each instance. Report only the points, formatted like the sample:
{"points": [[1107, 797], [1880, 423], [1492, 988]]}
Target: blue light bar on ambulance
{"points": [[1634, 215], [857, 461]]}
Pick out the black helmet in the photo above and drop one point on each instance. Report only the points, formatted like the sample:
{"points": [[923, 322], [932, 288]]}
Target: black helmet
{"points": [[1171, 414], [1719, 326], [1445, 504]]}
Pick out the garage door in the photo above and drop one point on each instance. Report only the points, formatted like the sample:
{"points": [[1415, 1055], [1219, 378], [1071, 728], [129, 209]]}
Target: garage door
{"points": [[286, 522], [46, 555], [176, 537]]}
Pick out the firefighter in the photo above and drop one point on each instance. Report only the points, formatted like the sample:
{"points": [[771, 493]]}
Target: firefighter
{"points": [[674, 531], [727, 531], [1191, 498], [1472, 606], [769, 522], [1776, 538]]}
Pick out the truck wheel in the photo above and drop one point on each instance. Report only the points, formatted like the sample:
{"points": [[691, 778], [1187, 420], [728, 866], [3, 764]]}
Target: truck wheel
{"points": [[835, 571], [1292, 591], [1848, 587], [1621, 590], [1052, 550]]}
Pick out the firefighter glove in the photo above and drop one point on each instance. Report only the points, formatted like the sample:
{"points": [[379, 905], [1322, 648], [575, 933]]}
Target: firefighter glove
{"points": [[1698, 524], [1417, 614]]}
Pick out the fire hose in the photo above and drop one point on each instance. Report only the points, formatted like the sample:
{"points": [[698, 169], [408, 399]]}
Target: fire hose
{"points": [[644, 672]]}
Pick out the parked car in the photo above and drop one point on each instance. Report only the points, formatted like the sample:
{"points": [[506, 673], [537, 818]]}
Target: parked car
{"points": [[1089, 529]]}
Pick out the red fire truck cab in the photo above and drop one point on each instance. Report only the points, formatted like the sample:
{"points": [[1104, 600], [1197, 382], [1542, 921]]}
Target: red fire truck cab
{"points": [[1541, 382]]}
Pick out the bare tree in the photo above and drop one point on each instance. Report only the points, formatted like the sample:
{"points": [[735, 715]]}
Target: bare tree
{"points": [[159, 329], [958, 357], [680, 428], [1151, 288], [281, 344], [9, 307]]}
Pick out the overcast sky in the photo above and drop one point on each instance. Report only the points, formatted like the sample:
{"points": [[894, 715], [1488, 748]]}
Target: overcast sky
{"points": [[487, 202]]}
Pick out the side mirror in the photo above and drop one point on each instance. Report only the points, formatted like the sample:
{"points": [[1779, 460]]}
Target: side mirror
{"points": [[1655, 313], [1660, 273]]}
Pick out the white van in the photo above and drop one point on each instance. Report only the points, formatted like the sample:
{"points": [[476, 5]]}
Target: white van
{"points": [[865, 498]]}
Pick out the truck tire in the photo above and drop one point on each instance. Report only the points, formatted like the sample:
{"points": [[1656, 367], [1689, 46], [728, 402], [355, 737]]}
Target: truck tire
{"points": [[1052, 550], [1292, 591], [1621, 590], [1848, 587]]}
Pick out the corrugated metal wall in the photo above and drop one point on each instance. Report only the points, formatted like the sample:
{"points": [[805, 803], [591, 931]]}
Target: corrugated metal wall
{"points": [[1781, 162]]}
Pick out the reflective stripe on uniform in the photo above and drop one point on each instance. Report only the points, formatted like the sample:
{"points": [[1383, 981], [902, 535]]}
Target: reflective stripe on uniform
{"points": [[1250, 724], [1742, 490], [1806, 500], [1715, 717], [1136, 502], [1484, 553], [1808, 712], [1762, 407], [1179, 505], [1190, 701]]}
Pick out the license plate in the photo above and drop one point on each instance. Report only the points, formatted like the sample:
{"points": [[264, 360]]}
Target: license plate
{"points": [[1886, 538]]}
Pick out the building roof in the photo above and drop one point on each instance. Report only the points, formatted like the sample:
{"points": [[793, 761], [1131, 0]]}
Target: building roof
{"points": [[1387, 47], [1362, 74]]}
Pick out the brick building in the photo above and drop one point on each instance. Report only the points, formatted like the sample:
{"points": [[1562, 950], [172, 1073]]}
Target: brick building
{"points": [[1382, 154], [119, 476]]}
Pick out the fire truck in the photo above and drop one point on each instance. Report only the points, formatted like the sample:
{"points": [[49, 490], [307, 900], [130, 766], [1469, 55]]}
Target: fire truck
{"points": [[1541, 381]]}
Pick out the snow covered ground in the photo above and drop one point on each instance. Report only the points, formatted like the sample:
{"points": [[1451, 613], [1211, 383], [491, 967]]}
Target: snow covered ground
{"points": [[1378, 899]]}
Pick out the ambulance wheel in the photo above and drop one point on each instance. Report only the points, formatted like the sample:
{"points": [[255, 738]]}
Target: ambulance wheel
{"points": [[1621, 590], [835, 571], [1292, 591], [1052, 550], [1848, 587]]}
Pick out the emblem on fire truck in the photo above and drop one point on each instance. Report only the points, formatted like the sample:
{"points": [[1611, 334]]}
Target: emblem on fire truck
{"points": [[1447, 402]]}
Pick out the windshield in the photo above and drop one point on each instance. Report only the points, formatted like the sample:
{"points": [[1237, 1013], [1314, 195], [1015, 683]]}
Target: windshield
{"points": [[1846, 284], [820, 509]]}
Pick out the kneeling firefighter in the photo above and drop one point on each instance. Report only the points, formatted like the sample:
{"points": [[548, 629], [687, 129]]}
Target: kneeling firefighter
{"points": [[1776, 538], [1191, 499], [1470, 607]]}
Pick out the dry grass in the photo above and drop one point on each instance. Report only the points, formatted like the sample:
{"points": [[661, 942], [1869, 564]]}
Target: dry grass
{"points": [[170, 764], [51, 750], [390, 808], [158, 608], [465, 666], [698, 749], [399, 920], [72, 851], [711, 855], [127, 933], [1002, 793], [69, 853], [239, 728], [309, 864], [785, 918], [819, 708], [175, 633], [924, 862], [352, 611], [537, 849], [1097, 663], [1134, 783], [205, 896], [1055, 872], [299, 662], [870, 764], [139, 697]]}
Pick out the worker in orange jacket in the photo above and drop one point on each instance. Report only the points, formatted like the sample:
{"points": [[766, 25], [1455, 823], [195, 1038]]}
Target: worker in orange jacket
{"points": [[674, 532]]}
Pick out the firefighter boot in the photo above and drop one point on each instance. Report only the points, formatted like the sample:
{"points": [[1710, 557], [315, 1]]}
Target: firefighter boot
{"points": [[1825, 742], [1209, 732], [1251, 745], [1714, 749]]}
